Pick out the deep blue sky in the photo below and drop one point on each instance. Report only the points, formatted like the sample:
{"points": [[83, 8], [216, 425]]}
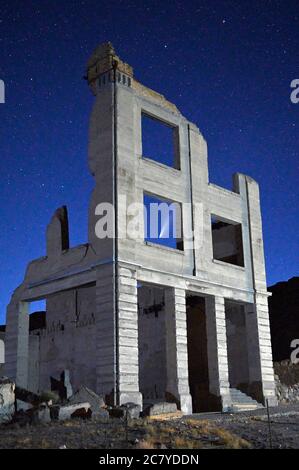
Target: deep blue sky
{"points": [[226, 64]]}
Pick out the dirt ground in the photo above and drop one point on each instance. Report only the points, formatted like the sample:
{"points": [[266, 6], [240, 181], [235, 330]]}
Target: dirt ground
{"points": [[205, 431], [253, 426]]}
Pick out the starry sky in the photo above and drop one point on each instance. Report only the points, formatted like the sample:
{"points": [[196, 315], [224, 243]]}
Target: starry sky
{"points": [[227, 64]]}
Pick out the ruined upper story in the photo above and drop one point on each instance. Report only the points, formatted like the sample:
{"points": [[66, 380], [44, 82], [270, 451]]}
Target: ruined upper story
{"points": [[227, 248], [228, 245]]}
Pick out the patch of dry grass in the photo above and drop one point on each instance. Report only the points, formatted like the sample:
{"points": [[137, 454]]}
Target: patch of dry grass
{"points": [[146, 444], [23, 441], [230, 440], [45, 444], [166, 416], [168, 434], [226, 438], [142, 434]]}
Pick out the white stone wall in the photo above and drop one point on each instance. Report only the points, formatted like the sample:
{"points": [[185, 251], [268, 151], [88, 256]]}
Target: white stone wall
{"points": [[69, 340], [2, 353]]}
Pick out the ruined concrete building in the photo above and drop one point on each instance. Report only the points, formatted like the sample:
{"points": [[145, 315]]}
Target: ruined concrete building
{"points": [[134, 319]]}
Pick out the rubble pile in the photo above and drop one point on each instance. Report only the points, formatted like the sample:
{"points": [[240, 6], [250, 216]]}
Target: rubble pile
{"points": [[287, 381], [18, 405]]}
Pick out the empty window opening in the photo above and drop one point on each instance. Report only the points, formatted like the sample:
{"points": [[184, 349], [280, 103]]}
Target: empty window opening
{"points": [[37, 306], [37, 311], [227, 241], [160, 141], [163, 222], [152, 343]]}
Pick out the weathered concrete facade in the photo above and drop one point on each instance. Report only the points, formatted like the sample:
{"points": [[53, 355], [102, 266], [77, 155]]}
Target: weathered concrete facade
{"points": [[94, 326]]}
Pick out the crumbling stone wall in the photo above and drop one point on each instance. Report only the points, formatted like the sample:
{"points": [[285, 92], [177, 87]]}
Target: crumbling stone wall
{"points": [[67, 342]]}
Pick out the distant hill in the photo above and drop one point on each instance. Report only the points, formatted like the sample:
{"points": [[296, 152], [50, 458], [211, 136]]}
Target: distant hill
{"points": [[284, 317], [37, 320]]}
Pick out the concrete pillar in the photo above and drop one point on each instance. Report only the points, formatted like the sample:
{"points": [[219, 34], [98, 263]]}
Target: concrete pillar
{"points": [[117, 335], [262, 385], [217, 351], [128, 337], [105, 328], [176, 348], [17, 342], [261, 374]]}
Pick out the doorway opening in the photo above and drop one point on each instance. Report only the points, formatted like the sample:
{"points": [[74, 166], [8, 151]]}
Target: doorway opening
{"points": [[152, 343], [237, 350], [198, 366]]}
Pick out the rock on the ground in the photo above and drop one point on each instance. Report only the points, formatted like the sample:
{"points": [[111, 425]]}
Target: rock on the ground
{"points": [[27, 396], [132, 409], [286, 393], [39, 414], [22, 405], [82, 413], [160, 409], [127, 410], [7, 400], [43, 413], [96, 402], [63, 413]]}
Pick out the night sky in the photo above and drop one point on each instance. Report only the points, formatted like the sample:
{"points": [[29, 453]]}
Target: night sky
{"points": [[227, 65]]}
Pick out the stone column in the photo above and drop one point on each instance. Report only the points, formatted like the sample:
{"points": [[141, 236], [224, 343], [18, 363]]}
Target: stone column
{"points": [[217, 351], [262, 384], [261, 374], [17, 342], [105, 328], [128, 337], [117, 335], [176, 348]]}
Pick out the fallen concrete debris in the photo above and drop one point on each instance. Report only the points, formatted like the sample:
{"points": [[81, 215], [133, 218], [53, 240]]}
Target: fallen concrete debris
{"points": [[97, 403], [63, 386], [83, 404], [43, 413], [63, 413], [83, 413], [27, 396], [132, 410], [125, 411], [84, 394], [34, 415], [7, 400], [40, 414], [21, 406], [160, 409]]}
